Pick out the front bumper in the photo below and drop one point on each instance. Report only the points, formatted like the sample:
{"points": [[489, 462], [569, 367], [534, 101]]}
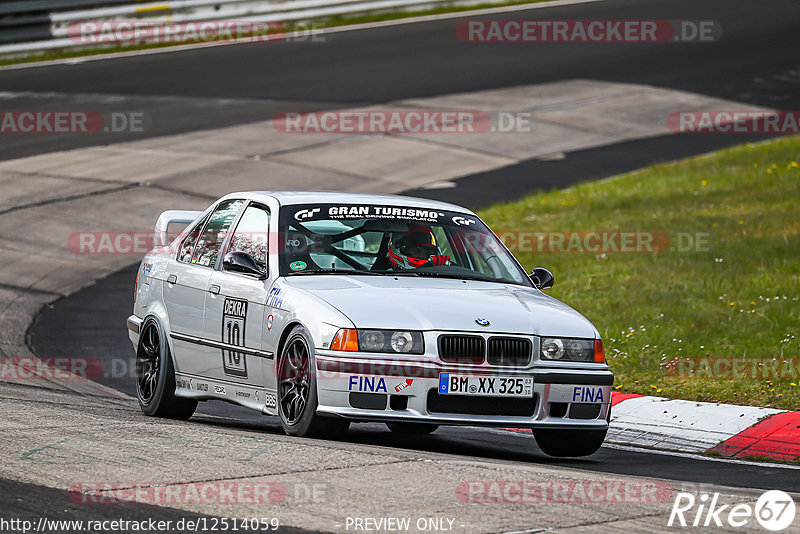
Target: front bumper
{"points": [[351, 387]]}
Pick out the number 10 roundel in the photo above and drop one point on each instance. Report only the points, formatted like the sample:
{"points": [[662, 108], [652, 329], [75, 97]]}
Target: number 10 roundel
{"points": [[234, 316]]}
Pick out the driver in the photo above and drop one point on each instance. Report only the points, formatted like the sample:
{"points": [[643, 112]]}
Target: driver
{"points": [[415, 248]]}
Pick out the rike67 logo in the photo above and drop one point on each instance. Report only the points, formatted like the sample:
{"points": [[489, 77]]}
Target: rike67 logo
{"points": [[774, 510]]}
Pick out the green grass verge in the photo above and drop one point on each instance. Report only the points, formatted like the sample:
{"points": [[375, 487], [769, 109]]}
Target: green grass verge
{"points": [[767, 459], [735, 298], [330, 22]]}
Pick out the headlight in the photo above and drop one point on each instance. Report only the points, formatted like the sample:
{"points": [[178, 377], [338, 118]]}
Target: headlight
{"points": [[552, 348], [402, 342], [388, 341], [572, 350], [371, 340], [391, 341]]}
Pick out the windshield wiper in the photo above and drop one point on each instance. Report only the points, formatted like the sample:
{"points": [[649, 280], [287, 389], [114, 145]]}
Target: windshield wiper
{"points": [[436, 274], [335, 271], [457, 276]]}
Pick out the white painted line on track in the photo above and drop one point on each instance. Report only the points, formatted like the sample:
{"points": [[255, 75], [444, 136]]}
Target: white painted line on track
{"points": [[323, 31]]}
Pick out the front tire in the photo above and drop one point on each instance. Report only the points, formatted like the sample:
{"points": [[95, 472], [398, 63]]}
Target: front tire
{"points": [[297, 390], [569, 443], [412, 428], [155, 376]]}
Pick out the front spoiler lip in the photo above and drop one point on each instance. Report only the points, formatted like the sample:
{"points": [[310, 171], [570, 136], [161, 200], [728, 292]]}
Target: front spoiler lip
{"points": [[372, 416]]}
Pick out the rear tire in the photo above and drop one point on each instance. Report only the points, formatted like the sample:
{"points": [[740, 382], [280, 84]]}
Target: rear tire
{"points": [[412, 428], [297, 391], [569, 443], [155, 376]]}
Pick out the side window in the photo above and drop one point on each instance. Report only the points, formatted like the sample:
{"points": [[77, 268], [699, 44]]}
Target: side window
{"points": [[210, 241], [251, 235], [187, 246]]}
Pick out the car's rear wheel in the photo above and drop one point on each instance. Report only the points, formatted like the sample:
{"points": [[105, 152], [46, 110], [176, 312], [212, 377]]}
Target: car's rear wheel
{"points": [[412, 428], [297, 390], [569, 443], [155, 376]]}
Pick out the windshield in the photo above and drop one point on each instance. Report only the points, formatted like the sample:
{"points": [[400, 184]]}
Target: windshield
{"points": [[391, 240]]}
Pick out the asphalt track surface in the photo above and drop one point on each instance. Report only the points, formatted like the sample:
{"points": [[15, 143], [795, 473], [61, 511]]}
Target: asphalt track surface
{"points": [[30, 502], [91, 324], [757, 61]]}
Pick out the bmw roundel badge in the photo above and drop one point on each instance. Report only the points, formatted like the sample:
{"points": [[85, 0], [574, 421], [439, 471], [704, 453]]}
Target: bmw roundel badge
{"points": [[482, 322]]}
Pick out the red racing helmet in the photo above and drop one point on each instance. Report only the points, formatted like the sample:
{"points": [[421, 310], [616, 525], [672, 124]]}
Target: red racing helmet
{"points": [[414, 248]]}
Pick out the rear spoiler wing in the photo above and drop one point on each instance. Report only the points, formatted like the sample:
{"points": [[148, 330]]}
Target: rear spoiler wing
{"points": [[172, 217]]}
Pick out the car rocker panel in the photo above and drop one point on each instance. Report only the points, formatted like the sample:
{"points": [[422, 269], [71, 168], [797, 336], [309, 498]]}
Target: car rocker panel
{"points": [[202, 388]]}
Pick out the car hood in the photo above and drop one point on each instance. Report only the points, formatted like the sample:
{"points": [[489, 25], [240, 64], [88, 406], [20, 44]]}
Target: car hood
{"points": [[444, 304]]}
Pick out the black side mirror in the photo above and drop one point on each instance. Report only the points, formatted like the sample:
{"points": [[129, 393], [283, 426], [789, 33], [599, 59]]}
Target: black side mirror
{"points": [[542, 278], [241, 262]]}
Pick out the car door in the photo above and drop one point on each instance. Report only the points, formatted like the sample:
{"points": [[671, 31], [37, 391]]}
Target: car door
{"points": [[234, 311], [186, 285]]}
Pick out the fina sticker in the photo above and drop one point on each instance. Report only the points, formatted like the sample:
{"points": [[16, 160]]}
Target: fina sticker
{"points": [[297, 265], [371, 384], [275, 297]]}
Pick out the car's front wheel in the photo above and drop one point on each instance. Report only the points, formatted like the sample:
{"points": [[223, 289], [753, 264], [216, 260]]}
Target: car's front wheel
{"points": [[155, 376], [297, 390], [569, 443]]}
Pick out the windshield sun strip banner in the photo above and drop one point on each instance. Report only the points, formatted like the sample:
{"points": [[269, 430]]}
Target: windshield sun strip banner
{"points": [[317, 212]]}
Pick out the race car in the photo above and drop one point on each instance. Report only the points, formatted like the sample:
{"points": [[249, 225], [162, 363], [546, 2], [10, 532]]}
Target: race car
{"points": [[331, 308]]}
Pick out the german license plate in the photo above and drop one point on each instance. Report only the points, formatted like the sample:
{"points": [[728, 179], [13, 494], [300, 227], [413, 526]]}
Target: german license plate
{"points": [[485, 386]]}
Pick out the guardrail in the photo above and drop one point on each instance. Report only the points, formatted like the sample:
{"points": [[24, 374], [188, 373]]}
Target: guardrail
{"points": [[40, 26], [30, 20]]}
